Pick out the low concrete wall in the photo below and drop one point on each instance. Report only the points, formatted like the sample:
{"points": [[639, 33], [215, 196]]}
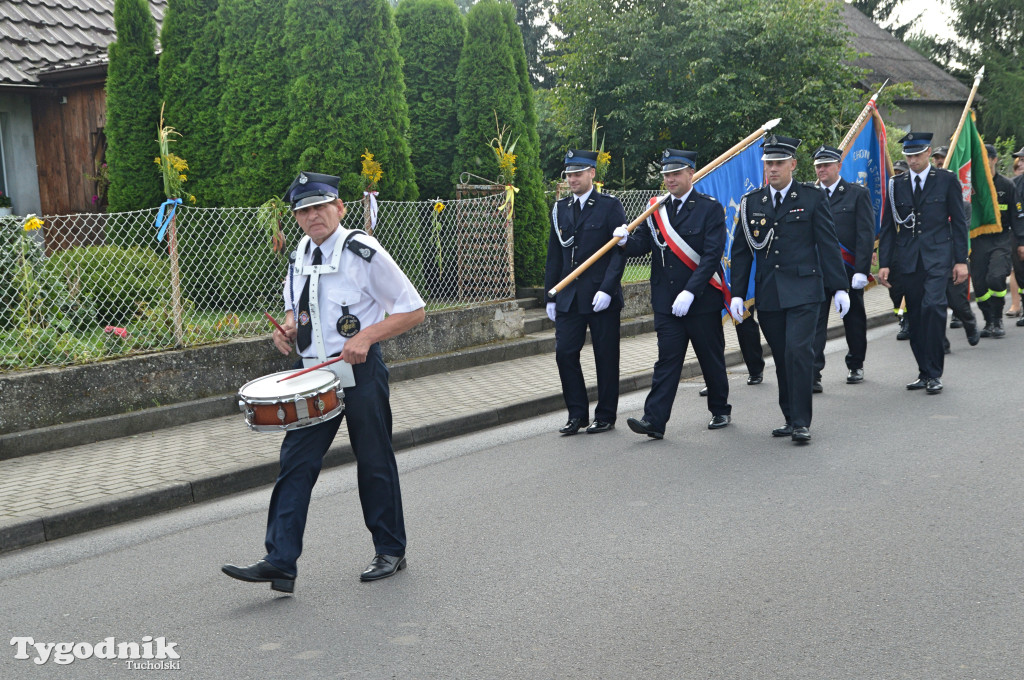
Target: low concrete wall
{"points": [[44, 398]]}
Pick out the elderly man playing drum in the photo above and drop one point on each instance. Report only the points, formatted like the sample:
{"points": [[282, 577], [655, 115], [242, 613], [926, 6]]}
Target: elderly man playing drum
{"points": [[340, 285]]}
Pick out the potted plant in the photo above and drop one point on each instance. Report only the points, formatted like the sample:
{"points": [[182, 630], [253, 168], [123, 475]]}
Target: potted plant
{"points": [[5, 205]]}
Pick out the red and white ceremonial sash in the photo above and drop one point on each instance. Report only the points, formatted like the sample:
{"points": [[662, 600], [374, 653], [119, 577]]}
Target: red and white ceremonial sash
{"points": [[684, 252]]}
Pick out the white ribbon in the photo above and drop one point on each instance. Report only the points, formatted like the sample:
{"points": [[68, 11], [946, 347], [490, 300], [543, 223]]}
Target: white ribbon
{"points": [[373, 208]]}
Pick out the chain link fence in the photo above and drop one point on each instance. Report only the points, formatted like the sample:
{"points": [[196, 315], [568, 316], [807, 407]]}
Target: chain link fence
{"points": [[635, 202], [85, 287]]}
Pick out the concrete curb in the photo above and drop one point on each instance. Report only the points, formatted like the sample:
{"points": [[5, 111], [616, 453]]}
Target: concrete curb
{"points": [[25, 532]]}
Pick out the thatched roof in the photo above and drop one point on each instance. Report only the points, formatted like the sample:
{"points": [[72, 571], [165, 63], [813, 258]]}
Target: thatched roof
{"points": [[887, 57], [39, 35]]}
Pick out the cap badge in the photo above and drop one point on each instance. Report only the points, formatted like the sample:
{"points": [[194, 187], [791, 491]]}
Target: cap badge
{"points": [[665, 154], [303, 179], [569, 154]]}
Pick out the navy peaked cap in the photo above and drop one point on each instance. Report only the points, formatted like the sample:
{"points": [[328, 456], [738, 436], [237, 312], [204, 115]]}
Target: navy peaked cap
{"points": [[677, 159]]}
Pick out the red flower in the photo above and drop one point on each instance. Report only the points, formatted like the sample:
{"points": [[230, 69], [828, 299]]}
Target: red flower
{"points": [[118, 331]]}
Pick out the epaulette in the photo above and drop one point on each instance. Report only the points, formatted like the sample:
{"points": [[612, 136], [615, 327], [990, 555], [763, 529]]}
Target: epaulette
{"points": [[361, 249], [755, 191]]}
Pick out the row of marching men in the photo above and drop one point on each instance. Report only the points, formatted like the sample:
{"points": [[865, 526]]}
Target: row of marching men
{"points": [[806, 247]]}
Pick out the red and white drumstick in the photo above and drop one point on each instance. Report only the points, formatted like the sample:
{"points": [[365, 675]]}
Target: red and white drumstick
{"points": [[276, 324], [311, 368]]}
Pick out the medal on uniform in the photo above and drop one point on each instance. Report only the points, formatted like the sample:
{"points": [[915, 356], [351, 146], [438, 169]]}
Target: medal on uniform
{"points": [[348, 324]]}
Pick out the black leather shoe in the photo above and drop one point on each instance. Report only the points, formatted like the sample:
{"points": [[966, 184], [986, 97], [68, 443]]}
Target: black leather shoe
{"points": [[755, 379], [784, 431], [704, 391], [956, 323], [600, 426], [382, 566], [263, 572], [918, 384], [946, 349], [1020, 321], [573, 426], [801, 435], [997, 328], [933, 386], [644, 427], [718, 422], [986, 332], [973, 336], [816, 387], [856, 375], [904, 332]]}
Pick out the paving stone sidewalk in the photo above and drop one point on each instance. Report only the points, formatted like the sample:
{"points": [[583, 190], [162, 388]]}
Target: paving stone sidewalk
{"points": [[58, 493]]}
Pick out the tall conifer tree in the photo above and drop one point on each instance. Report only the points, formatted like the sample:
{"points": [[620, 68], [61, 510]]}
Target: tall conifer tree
{"points": [[432, 34], [254, 77], [133, 113], [190, 86]]}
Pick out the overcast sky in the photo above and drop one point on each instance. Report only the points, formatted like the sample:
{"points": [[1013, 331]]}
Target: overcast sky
{"points": [[935, 16]]}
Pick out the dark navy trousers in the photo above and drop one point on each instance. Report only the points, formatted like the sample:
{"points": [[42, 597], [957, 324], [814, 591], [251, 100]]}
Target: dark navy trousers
{"points": [[790, 334], [368, 412], [926, 314], [570, 334]]}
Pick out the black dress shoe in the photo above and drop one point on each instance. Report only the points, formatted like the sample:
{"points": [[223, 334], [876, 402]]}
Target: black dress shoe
{"points": [[644, 427], [816, 387], [784, 431], [757, 379], [973, 335], [263, 572], [382, 566], [801, 435], [933, 386], [704, 391], [573, 426], [904, 332], [856, 375], [918, 384], [600, 426], [718, 422], [956, 323], [1020, 321]]}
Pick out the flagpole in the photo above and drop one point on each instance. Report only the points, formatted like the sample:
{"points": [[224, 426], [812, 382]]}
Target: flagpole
{"points": [[747, 141], [862, 120], [963, 117]]}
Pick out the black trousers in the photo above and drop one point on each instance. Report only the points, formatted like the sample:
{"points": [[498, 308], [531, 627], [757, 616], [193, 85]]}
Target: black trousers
{"points": [[991, 264], [956, 299], [675, 334], [748, 333], [855, 323], [368, 412], [570, 334], [926, 315], [790, 334], [896, 292]]}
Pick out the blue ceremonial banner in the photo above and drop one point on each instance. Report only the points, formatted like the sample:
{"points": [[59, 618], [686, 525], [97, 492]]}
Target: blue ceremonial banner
{"points": [[865, 164], [727, 183]]}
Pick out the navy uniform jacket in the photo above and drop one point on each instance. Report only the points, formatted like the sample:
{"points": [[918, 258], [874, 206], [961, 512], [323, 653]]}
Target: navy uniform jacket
{"points": [[855, 223], [803, 257], [600, 216], [939, 239], [701, 223], [1010, 207]]}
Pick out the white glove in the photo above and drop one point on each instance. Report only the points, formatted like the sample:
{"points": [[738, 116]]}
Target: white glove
{"points": [[859, 281], [621, 233], [601, 301], [551, 310], [736, 309], [842, 300], [682, 304]]}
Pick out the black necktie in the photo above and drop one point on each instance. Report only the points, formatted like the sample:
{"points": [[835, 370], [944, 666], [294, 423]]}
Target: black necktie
{"points": [[676, 202], [576, 210], [828, 193], [917, 188], [305, 332], [778, 199]]}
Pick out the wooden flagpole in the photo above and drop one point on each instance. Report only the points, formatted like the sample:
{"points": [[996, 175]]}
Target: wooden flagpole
{"points": [[861, 121], [963, 118], [750, 139]]}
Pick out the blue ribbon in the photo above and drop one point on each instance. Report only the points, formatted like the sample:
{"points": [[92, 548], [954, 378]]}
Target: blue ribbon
{"points": [[163, 222]]}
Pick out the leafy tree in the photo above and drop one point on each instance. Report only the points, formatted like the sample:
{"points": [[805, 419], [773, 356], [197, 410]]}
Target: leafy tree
{"points": [[702, 74], [882, 12], [190, 87], [533, 19], [432, 34], [490, 92], [133, 111], [254, 77]]}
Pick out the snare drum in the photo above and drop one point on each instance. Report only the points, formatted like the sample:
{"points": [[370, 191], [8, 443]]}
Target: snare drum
{"points": [[272, 406]]}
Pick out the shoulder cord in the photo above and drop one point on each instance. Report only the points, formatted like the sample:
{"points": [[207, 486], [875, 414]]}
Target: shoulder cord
{"points": [[566, 243], [756, 245], [910, 221]]}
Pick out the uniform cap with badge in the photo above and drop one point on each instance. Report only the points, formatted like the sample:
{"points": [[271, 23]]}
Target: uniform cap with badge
{"points": [[312, 188], [916, 142], [677, 159], [778, 148], [827, 154], [577, 160]]}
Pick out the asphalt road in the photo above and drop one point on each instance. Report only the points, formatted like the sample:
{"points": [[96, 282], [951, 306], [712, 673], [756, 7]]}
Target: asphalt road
{"points": [[890, 547]]}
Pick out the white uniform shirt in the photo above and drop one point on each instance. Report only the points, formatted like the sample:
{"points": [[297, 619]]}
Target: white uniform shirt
{"points": [[368, 289]]}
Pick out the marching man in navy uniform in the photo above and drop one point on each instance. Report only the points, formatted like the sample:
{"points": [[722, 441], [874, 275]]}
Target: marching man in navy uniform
{"points": [[581, 223], [854, 218], [789, 232], [353, 296], [688, 292], [924, 235]]}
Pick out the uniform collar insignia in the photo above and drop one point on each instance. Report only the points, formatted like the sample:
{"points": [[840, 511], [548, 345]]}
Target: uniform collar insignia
{"points": [[792, 194], [842, 188], [764, 199]]}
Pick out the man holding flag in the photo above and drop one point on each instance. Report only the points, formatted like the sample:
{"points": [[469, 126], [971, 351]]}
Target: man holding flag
{"points": [[924, 232], [688, 292], [855, 227]]}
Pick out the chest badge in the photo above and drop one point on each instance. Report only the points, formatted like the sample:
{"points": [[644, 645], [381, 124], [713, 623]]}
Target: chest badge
{"points": [[348, 325]]}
